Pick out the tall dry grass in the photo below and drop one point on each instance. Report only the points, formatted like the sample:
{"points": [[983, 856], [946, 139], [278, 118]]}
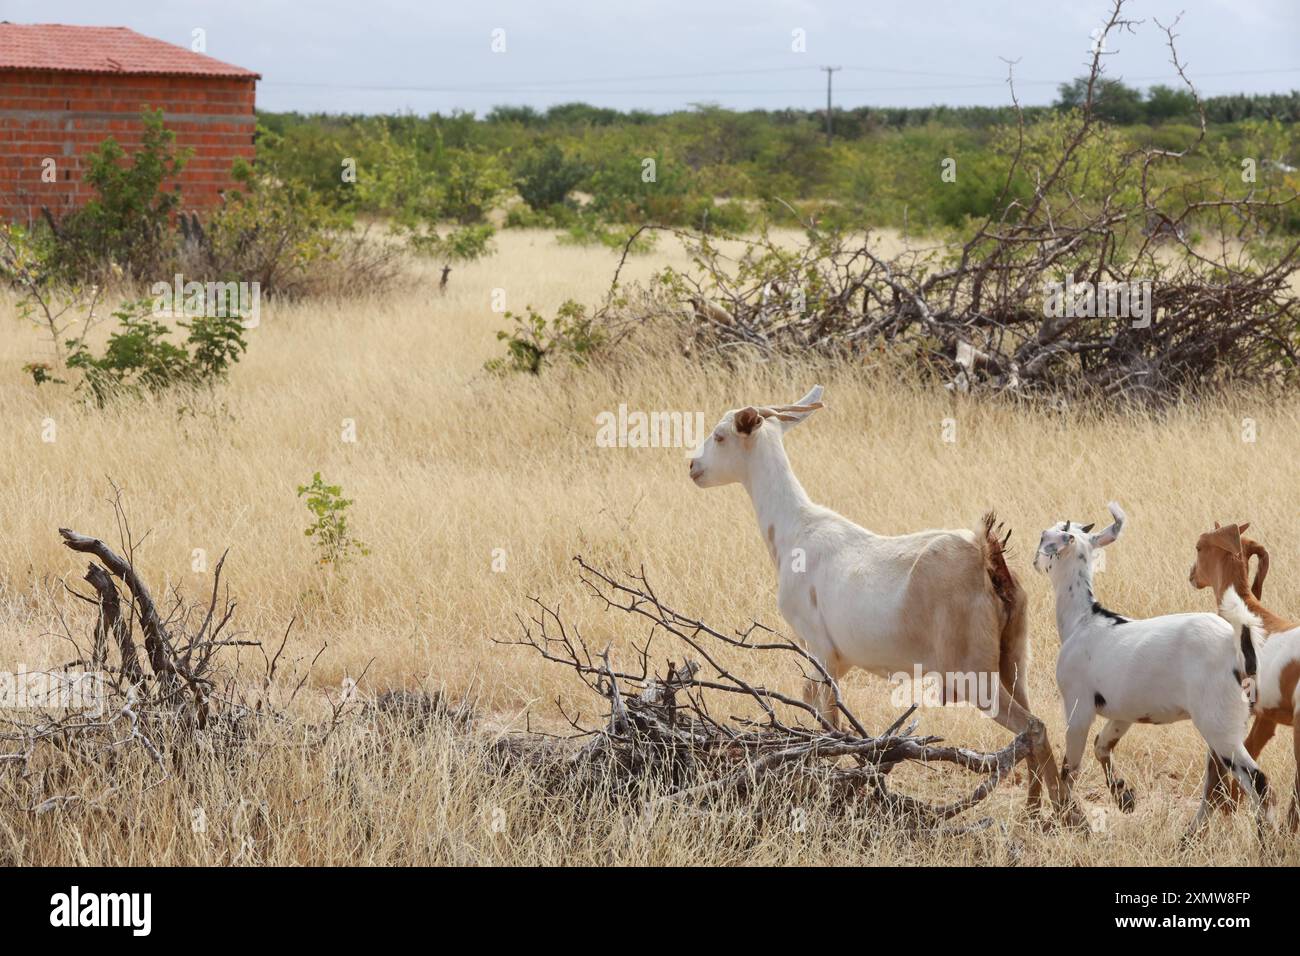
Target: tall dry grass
{"points": [[453, 467]]}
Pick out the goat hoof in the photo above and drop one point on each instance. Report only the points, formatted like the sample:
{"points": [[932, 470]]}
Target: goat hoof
{"points": [[1075, 820], [1040, 819], [1126, 799]]}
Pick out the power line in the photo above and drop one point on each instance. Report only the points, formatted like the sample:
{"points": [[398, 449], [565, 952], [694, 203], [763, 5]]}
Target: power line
{"points": [[892, 70], [637, 79], [547, 83], [551, 86]]}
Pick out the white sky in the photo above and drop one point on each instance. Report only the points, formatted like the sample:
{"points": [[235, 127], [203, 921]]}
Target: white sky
{"points": [[404, 55]]}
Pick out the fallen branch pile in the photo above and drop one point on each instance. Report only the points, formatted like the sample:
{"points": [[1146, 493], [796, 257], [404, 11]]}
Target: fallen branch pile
{"points": [[665, 735]]}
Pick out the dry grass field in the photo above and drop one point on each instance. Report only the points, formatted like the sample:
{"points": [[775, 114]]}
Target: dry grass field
{"points": [[451, 463]]}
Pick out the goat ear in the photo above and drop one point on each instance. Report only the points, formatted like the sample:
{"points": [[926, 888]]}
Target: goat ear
{"points": [[1216, 526], [747, 420], [1228, 538], [1242, 526], [814, 397], [1088, 527], [791, 415], [1103, 538]]}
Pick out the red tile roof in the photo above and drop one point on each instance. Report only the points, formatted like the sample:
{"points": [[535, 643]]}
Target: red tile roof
{"points": [[75, 49]]}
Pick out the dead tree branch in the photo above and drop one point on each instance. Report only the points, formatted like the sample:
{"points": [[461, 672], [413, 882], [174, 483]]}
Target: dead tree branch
{"points": [[661, 726]]}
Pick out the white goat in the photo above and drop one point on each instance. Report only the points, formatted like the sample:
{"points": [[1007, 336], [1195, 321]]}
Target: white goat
{"points": [[1152, 671], [943, 601]]}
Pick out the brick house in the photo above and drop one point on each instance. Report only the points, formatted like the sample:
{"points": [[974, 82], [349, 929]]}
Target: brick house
{"points": [[64, 89]]}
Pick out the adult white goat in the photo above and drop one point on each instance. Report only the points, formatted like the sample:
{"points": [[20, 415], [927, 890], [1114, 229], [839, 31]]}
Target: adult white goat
{"points": [[1151, 671], [941, 601]]}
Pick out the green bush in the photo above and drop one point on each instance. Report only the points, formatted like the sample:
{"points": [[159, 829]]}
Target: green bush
{"points": [[469, 185], [463, 244], [534, 341], [270, 231], [623, 194], [730, 216], [334, 541], [588, 231], [127, 223], [139, 357], [522, 216], [977, 190], [312, 155], [546, 176], [396, 182]]}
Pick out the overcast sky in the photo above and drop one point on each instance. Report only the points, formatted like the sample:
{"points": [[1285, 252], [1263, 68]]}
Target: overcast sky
{"points": [[406, 55]]}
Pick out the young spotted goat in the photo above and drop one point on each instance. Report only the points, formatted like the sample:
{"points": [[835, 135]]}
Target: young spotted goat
{"points": [[1222, 563], [941, 600], [1152, 671]]}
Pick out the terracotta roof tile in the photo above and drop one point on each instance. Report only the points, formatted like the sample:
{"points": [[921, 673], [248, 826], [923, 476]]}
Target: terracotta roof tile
{"points": [[77, 49]]}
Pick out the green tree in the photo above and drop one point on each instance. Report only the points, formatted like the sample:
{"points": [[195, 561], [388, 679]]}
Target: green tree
{"points": [[1167, 103], [1111, 99], [546, 176]]}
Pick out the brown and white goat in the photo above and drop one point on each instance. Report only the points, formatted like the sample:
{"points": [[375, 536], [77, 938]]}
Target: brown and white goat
{"points": [[1222, 562]]}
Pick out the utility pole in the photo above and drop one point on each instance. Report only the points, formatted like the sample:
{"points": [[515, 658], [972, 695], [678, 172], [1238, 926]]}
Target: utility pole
{"points": [[829, 70]]}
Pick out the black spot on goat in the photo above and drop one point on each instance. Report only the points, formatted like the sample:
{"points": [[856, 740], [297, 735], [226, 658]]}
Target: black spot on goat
{"points": [[1108, 614]]}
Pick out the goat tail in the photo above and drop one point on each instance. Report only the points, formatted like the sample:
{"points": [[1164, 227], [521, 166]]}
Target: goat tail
{"points": [[1013, 640], [1234, 611]]}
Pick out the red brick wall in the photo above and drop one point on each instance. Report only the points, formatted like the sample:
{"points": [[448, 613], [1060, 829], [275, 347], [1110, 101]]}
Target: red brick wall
{"points": [[63, 116]]}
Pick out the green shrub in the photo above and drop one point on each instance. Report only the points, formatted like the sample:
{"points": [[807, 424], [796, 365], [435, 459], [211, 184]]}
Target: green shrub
{"points": [[288, 239], [270, 231], [334, 541], [140, 358], [881, 171], [534, 341], [469, 185], [522, 216], [730, 216], [127, 223], [622, 193], [977, 190], [462, 188], [312, 156], [546, 176], [588, 231], [463, 244]]}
